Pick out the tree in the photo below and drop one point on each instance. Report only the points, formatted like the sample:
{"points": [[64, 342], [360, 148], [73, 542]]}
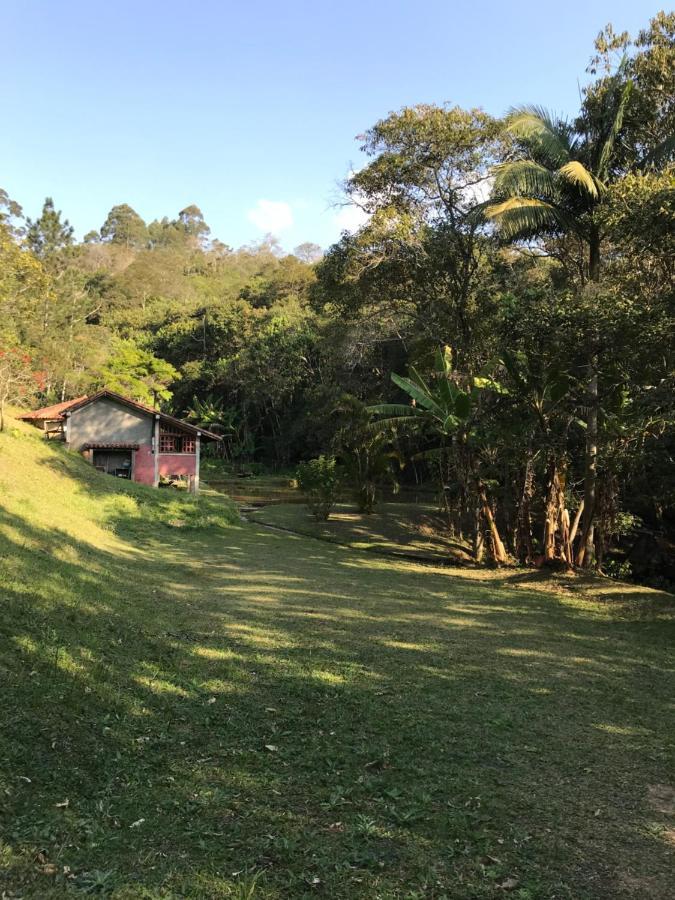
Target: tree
{"points": [[308, 252], [554, 188], [18, 380], [9, 211], [124, 226], [320, 479], [648, 61], [137, 372], [191, 220], [25, 288], [48, 234], [421, 254]]}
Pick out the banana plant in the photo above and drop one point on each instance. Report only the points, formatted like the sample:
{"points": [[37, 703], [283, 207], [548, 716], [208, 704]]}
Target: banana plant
{"points": [[542, 388], [442, 404], [444, 407]]}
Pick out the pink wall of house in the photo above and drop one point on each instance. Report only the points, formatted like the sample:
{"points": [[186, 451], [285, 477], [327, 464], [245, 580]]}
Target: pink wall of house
{"points": [[177, 463], [144, 465], [169, 464]]}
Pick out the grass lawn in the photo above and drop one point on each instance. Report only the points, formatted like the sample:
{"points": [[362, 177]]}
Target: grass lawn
{"points": [[190, 707], [409, 529]]}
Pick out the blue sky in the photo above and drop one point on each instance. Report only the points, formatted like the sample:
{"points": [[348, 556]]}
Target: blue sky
{"points": [[251, 110]]}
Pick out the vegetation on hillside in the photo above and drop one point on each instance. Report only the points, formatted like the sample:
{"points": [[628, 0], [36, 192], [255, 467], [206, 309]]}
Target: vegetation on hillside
{"points": [[532, 255]]}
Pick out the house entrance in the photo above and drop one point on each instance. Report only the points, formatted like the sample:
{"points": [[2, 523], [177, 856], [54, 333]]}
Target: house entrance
{"points": [[113, 462]]}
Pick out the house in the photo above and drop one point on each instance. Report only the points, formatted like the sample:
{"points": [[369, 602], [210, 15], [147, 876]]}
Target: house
{"points": [[124, 438]]}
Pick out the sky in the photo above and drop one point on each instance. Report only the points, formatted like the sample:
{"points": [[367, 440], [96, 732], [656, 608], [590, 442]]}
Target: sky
{"points": [[251, 110]]}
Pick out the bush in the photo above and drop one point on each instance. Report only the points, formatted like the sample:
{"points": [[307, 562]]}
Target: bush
{"points": [[319, 480]]}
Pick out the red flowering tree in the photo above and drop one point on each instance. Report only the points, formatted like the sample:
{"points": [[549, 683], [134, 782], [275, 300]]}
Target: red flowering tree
{"points": [[19, 381]]}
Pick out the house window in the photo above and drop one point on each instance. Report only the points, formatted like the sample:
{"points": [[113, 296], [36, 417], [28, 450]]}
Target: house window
{"points": [[175, 442]]}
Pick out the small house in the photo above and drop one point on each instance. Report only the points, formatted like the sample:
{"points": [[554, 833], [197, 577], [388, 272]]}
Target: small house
{"points": [[126, 439]]}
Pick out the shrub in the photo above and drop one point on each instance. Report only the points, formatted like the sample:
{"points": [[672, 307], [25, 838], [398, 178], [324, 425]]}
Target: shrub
{"points": [[319, 480]]}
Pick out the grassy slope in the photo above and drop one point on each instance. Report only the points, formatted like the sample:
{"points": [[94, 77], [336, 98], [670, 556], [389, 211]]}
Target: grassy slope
{"points": [[183, 707]]}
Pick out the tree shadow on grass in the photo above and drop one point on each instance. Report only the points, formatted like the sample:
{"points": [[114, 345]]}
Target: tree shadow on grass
{"points": [[212, 701]]}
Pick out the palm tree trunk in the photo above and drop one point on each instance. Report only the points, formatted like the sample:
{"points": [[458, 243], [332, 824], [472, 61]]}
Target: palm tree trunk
{"points": [[585, 553]]}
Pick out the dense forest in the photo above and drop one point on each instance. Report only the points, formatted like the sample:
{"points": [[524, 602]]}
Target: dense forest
{"points": [[501, 326]]}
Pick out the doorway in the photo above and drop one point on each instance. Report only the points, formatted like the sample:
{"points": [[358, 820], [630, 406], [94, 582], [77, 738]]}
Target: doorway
{"points": [[114, 462]]}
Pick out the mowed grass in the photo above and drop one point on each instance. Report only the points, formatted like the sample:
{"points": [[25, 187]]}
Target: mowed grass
{"points": [[197, 709], [411, 530]]}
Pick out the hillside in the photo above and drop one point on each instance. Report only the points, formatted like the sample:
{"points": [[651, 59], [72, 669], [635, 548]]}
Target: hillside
{"points": [[192, 706]]}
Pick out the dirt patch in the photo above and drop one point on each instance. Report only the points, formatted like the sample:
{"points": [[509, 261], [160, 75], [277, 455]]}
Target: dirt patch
{"points": [[662, 798]]}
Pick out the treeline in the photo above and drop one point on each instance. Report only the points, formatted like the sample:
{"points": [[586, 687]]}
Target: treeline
{"points": [[515, 277]]}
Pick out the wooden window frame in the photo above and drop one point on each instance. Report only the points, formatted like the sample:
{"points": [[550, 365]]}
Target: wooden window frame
{"points": [[184, 444]]}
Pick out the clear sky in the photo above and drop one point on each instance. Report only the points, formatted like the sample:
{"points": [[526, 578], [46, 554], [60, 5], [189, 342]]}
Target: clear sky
{"points": [[251, 109]]}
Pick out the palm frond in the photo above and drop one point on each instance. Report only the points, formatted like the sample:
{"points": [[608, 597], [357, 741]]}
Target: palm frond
{"points": [[541, 131], [617, 125], [578, 175], [520, 217], [478, 213], [523, 178]]}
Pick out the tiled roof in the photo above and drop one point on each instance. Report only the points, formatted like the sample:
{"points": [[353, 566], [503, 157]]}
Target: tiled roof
{"points": [[52, 412], [109, 446]]}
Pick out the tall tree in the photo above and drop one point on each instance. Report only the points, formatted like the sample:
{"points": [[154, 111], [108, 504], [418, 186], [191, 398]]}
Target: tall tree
{"points": [[554, 187], [124, 226], [191, 220], [49, 233]]}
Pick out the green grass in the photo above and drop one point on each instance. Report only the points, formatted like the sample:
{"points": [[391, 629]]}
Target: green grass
{"points": [[397, 529], [217, 710]]}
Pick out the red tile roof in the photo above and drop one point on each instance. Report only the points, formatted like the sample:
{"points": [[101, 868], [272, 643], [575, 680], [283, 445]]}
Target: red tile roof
{"points": [[52, 412], [109, 446]]}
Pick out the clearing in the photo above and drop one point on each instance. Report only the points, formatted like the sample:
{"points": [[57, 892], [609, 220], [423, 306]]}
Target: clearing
{"points": [[188, 701]]}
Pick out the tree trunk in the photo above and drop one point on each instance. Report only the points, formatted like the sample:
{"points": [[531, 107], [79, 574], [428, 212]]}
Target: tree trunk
{"points": [[550, 510], [523, 542], [564, 529], [577, 519], [478, 536], [557, 543], [496, 545], [585, 553]]}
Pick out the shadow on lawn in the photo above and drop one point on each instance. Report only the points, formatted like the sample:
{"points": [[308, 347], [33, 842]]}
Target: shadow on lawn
{"points": [[215, 701]]}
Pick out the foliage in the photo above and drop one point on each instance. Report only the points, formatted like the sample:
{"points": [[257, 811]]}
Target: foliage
{"points": [[137, 373], [320, 480], [48, 234], [124, 226], [19, 382], [367, 456], [553, 303]]}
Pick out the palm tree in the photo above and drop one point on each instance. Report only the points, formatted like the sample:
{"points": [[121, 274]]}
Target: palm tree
{"points": [[555, 188]]}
